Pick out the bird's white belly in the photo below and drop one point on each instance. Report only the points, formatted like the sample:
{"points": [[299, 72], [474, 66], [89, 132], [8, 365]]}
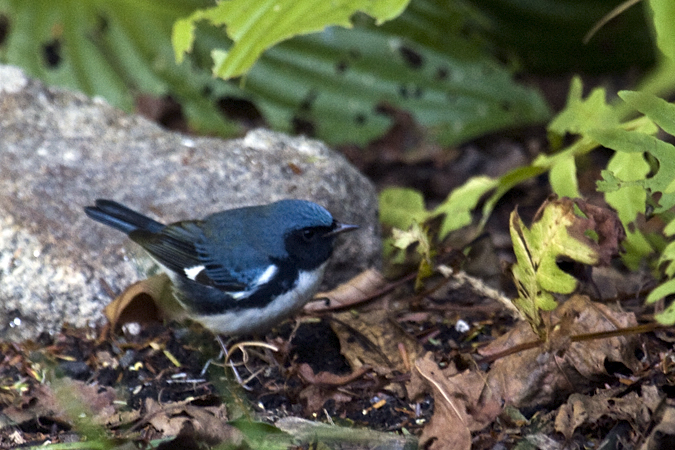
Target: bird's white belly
{"points": [[253, 320]]}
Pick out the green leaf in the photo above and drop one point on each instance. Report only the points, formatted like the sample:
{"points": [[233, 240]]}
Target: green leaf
{"points": [[581, 115], [657, 109], [110, 48], [558, 231], [505, 184], [668, 258], [332, 85], [262, 435], [417, 235], [637, 143], [628, 179], [182, 38], [401, 207], [339, 84], [530, 299], [666, 317], [257, 26], [663, 16], [461, 202], [563, 177]]}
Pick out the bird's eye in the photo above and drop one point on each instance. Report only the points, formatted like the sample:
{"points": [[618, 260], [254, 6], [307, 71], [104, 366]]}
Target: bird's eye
{"points": [[308, 235]]}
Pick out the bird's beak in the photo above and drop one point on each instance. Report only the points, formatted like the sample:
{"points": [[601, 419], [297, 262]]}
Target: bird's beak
{"points": [[340, 228]]}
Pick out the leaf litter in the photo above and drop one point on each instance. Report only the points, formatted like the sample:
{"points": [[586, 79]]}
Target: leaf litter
{"points": [[448, 364]]}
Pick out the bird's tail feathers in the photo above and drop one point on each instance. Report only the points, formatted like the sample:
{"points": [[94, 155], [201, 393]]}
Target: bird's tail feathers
{"points": [[121, 218]]}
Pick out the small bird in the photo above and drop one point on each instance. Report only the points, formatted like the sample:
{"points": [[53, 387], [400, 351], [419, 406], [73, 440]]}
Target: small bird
{"points": [[239, 271]]}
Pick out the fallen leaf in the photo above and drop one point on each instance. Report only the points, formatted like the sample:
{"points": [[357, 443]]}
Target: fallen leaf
{"points": [[148, 300], [547, 375], [323, 386], [371, 338], [314, 397], [589, 409], [327, 379], [209, 422], [350, 293], [663, 434], [602, 221], [65, 401], [458, 409]]}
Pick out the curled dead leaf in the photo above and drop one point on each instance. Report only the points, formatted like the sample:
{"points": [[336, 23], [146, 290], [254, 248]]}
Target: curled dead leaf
{"points": [[352, 292], [149, 300], [663, 434], [207, 424], [547, 375], [586, 409], [604, 222], [330, 379], [458, 407], [371, 338]]}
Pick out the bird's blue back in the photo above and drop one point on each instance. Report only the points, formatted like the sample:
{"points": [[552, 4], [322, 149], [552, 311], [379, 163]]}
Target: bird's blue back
{"points": [[248, 238]]}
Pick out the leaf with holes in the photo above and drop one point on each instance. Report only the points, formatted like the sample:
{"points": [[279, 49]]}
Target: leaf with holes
{"points": [[564, 228], [110, 49]]}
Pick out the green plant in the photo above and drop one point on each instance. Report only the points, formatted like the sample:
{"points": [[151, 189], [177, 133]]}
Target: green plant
{"points": [[333, 84], [637, 182], [562, 229]]}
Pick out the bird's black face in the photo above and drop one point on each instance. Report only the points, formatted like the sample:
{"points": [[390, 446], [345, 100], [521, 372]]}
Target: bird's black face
{"points": [[310, 247]]}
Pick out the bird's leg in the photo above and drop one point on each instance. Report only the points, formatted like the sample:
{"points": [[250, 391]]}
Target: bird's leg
{"points": [[226, 353]]}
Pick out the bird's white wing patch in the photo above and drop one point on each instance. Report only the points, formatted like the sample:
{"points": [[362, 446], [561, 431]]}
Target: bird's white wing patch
{"points": [[192, 272], [241, 294], [266, 275]]}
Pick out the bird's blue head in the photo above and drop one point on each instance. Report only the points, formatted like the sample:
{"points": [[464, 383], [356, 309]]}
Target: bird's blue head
{"points": [[308, 230], [299, 214], [298, 230]]}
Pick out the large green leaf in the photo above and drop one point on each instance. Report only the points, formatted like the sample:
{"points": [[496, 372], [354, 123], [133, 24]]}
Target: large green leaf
{"points": [[663, 12], [333, 85], [109, 48], [255, 26], [337, 82], [401, 208]]}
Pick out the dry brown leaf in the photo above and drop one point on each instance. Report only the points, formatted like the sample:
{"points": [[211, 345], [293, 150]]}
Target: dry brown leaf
{"points": [[149, 300], [328, 379], [314, 397], [605, 222], [663, 434], [371, 338], [545, 376], [350, 293], [323, 387], [67, 398], [615, 283], [585, 409], [209, 423], [457, 407], [39, 402]]}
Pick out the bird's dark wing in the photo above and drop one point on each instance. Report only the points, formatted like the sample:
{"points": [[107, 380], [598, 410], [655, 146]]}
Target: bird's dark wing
{"points": [[179, 248]]}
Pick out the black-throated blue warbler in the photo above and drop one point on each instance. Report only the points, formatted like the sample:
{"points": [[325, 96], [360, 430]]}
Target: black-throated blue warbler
{"points": [[238, 271]]}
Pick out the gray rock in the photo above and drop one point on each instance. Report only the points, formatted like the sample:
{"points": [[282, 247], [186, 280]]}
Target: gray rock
{"points": [[61, 150]]}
